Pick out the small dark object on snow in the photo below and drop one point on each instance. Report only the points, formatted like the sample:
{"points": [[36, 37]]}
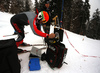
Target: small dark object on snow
{"points": [[25, 44]]}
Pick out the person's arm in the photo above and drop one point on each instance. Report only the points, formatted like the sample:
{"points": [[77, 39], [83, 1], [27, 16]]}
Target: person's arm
{"points": [[38, 32]]}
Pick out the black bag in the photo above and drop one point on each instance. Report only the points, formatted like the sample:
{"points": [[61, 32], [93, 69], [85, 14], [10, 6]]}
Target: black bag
{"points": [[9, 62], [56, 54]]}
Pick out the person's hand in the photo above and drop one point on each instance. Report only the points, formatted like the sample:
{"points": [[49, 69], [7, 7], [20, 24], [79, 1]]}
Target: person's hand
{"points": [[52, 35]]}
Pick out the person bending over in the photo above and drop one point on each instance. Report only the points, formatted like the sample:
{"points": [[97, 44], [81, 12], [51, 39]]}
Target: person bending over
{"points": [[20, 20]]}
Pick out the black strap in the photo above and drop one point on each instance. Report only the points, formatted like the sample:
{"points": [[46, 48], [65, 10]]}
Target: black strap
{"points": [[66, 63]]}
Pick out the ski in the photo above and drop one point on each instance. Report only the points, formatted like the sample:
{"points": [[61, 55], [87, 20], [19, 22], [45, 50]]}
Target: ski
{"points": [[38, 45], [33, 45], [23, 51], [13, 34]]}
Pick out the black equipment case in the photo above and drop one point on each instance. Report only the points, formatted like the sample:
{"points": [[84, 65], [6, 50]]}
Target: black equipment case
{"points": [[56, 54], [56, 51]]}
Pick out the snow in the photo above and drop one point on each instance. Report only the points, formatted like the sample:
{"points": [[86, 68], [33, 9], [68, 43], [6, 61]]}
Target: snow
{"points": [[78, 47]]}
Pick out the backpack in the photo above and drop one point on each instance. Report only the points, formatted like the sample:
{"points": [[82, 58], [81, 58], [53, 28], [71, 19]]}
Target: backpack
{"points": [[56, 51], [55, 55]]}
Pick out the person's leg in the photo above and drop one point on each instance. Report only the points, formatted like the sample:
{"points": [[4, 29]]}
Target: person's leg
{"points": [[18, 43], [19, 28], [19, 21]]}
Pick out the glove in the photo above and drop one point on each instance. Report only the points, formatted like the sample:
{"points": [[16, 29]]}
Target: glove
{"points": [[52, 35], [51, 39]]}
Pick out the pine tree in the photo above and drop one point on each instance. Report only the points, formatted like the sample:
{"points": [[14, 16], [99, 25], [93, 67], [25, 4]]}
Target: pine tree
{"points": [[76, 14], [15, 6], [27, 6], [21, 6], [40, 5], [36, 5], [31, 5], [67, 14], [93, 28], [56, 8], [4, 5]]}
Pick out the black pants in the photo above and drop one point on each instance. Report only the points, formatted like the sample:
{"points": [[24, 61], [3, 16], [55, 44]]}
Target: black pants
{"points": [[9, 62], [18, 21]]}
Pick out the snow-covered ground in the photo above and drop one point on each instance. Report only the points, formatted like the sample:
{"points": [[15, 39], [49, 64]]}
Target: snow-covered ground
{"points": [[83, 53]]}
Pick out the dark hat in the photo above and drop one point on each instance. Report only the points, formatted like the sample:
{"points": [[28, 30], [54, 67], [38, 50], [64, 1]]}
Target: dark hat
{"points": [[47, 1]]}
